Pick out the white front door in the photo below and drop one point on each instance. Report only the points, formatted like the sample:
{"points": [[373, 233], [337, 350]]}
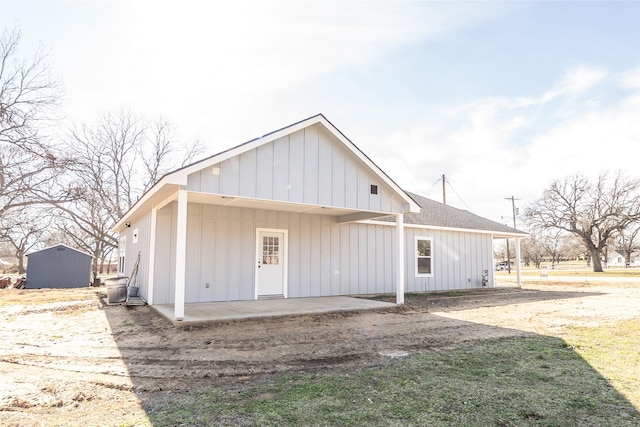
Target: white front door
{"points": [[271, 265]]}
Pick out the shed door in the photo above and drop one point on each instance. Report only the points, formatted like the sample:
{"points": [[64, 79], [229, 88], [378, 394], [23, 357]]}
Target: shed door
{"points": [[271, 263]]}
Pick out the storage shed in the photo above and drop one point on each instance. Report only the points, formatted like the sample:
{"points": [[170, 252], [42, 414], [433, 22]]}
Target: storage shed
{"points": [[58, 267]]}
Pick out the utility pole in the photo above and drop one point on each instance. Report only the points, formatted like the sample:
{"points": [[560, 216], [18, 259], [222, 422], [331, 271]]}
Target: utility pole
{"points": [[444, 191], [513, 207]]}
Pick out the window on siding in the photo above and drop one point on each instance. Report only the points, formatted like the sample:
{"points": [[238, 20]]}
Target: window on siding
{"points": [[424, 256], [121, 253]]}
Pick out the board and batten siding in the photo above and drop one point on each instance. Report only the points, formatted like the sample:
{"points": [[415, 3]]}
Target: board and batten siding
{"points": [[133, 247], [458, 260], [325, 258], [308, 166]]}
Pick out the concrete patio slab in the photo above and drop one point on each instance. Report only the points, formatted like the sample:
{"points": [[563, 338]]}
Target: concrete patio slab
{"points": [[233, 310]]}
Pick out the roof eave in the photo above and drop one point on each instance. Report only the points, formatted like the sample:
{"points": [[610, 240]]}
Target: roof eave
{"points": [[146, 199], [494, 233]]}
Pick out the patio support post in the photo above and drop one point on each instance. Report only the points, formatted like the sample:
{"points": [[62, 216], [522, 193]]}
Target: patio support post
{"points": [[400, 259], [181, 254], [152, 254], [518, 275]]}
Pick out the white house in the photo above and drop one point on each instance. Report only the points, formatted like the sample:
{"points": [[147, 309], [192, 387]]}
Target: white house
{"points": [[299, 212], [617, 259]]}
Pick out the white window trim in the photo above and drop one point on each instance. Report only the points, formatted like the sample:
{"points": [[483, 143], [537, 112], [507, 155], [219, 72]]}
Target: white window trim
{"points": [[415, 255]]}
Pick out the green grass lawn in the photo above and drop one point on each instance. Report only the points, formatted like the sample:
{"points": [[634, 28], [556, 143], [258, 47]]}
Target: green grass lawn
{"points": [[532, 381], [614, 351]]}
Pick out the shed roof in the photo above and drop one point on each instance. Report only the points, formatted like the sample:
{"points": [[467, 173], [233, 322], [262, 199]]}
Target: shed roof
{"points": [[57, 246]]}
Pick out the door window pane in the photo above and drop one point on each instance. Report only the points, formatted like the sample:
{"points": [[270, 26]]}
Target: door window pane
{"points": [[270, 250]]}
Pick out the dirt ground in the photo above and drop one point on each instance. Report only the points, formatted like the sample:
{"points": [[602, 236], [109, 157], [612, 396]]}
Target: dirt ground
{"points": [[66, 358]]}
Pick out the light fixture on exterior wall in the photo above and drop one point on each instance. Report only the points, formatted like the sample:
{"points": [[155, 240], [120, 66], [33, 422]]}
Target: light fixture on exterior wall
{"points": [[128, 224]]}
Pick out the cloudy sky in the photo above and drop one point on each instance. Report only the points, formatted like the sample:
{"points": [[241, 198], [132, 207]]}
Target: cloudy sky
{"points": [[501, 97]]}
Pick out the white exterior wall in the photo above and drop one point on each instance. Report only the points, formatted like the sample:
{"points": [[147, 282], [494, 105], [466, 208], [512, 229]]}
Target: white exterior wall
{"points": [[143, 227], [325, 258], [307, 166], [458, 260]]}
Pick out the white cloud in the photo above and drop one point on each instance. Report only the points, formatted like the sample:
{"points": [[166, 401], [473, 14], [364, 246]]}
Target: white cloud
{"points": [[207, 63], [497, 147], [576, 80], [581, 78], [211, 66], [631, 79]]}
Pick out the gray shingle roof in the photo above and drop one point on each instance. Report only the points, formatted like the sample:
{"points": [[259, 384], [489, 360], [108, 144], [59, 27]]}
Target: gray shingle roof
{"points": [[440, 215]]}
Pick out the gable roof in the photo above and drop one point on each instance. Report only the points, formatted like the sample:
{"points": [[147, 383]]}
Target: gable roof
{"points": [[438, 215], [171, 181], [60, 246], [622, 253], [182, 173]]}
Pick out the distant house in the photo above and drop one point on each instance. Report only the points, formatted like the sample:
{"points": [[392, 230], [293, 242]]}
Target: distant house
{"points": [[58, 267], [300, 212], [617, 259]]}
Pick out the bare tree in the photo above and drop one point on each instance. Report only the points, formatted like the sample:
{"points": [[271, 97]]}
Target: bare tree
{"points": [[591, 211], [500, 251], [573, 247], [628, 240], [551, 242], [29, 167], [116, 160], [532, 250], [27, 179], [24, 229], [28, 93]]}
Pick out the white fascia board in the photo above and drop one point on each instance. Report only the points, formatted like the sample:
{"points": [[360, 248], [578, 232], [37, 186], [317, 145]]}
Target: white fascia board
{"points": [[180, 176], [165, 180], [496, 234]]}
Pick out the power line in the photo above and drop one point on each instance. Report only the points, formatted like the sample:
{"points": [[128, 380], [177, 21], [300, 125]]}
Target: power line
{"points": [[438, 181], [426, 193], [460, 198]]}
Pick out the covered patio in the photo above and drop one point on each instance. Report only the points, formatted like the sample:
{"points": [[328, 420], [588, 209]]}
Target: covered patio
{"points": [[202, 313]]}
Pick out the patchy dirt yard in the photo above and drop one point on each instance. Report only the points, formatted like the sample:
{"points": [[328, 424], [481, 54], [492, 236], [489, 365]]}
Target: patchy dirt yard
{"points": [[66, 358]]}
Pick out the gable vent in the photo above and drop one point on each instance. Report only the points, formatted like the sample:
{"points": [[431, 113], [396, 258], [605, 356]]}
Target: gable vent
{"points": [[374, 189]]}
